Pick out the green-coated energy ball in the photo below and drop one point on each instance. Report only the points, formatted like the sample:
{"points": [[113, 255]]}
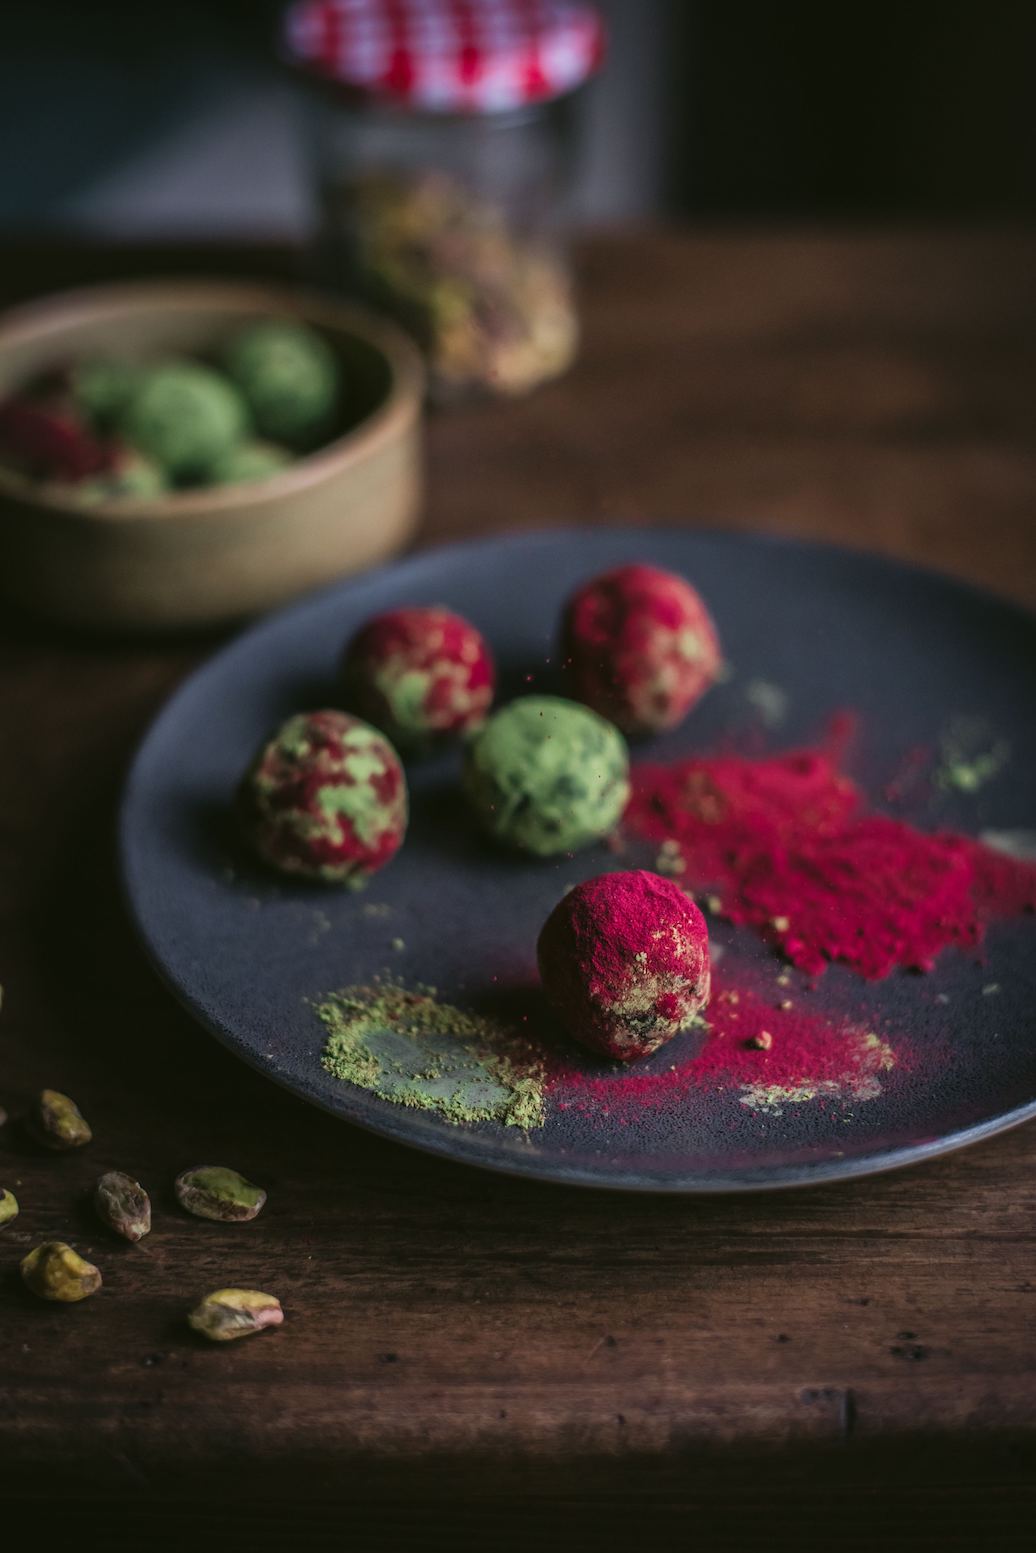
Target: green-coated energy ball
{"points": [[185, 417], [249, 461], [290, 377], [547, 775], [102, 387]]}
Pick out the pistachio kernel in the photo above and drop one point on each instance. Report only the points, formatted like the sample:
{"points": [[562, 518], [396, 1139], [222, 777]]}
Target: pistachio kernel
{"points": [[58, 1122], [55, 1272], [215, 1192], [123, 1205], [8, 1207], [231, 1313]]}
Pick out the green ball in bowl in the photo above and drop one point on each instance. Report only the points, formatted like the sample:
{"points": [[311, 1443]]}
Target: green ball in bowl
{"points": [[185, 416], [249, 461], [102, 387], [290, 377]]}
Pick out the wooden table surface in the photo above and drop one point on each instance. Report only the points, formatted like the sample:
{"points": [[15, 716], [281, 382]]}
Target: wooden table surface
{"points": [[474, 1357]]}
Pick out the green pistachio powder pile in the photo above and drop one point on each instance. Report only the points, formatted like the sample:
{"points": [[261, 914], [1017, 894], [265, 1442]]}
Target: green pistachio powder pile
{"points": [[409, 1048]]}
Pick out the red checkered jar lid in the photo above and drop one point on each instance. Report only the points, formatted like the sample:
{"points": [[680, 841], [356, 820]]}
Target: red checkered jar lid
{"points": [[449, 56]]}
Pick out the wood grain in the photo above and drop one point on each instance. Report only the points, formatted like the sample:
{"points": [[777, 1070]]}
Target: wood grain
{"points": [[560, 1361]]}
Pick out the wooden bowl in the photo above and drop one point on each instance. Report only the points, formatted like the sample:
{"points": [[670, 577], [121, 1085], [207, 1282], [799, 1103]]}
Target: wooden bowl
{"points": [[198, 557]]}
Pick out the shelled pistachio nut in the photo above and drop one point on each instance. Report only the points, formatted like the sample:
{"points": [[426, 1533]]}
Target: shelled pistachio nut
{"points": [[55, 1272], [215, 1192], [8, 1207], [123, 1205], [58, 1122], [231, 1313]]}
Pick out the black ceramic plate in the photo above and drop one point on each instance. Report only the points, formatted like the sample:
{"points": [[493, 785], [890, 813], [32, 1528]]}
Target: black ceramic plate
{"points": [[913, 653]]}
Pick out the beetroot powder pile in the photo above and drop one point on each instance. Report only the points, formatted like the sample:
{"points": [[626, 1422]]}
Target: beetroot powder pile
{"points": [[788, 848]]}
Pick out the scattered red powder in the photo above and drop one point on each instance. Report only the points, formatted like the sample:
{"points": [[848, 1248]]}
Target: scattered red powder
{"points": [[1001, 886], [809, 1055], [787, 846], [912, 779]]}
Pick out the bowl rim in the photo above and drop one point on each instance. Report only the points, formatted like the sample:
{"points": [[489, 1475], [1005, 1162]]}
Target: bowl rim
{"points": [[53, 314]]}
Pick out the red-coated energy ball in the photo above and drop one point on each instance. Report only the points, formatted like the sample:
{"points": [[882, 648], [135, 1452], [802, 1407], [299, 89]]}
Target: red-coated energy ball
{"points": [[624, 960], [326, 799], [640, 646], [422, 675], [46, 439]]}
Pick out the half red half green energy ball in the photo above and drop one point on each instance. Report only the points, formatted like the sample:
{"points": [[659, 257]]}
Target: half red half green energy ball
{"points": [[624, 960], [421, 674], [640, 646], [326, 799]]}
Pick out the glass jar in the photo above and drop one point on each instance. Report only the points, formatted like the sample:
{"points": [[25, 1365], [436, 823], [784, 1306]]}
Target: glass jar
{"points": [[449, 206]]}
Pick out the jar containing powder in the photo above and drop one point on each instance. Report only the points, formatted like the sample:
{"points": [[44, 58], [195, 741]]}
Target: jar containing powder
{"points": [[444, 149]]}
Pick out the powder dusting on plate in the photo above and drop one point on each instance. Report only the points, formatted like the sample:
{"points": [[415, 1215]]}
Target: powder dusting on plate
{"points": [[770, 1056], [406, 1046], [971, 757], [411, 1049], [788, 847]]}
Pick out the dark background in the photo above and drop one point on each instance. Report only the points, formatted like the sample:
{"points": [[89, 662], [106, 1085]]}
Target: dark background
{"points": [[854, 110], [134, 121]]}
